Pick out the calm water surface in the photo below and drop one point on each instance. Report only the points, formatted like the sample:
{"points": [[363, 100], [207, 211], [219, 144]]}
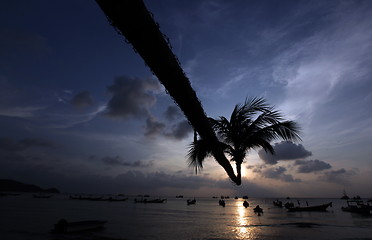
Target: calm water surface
{"points": [[24, 217]]}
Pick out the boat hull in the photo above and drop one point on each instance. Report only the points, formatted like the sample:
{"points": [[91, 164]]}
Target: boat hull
{"points": [[317, 208]]}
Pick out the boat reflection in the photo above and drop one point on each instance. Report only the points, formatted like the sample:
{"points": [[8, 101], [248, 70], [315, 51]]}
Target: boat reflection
{"points": [[244, 229]]}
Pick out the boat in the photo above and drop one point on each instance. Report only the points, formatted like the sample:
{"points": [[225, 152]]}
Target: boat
{"points": [[191, 201], [345, 196], [358, 206], [222, 203], [156, 200], [245, 197], [245, 204], [114, 199], [179, 196], [315, 208], [71, 227], [278, 203], [89, 198], [258, 210], [40, 195]]}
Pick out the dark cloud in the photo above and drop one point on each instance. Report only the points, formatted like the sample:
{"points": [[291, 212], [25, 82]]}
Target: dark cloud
{"points": [[117, 161], [311, 166], [273, 173], [131, 97], [340, 176], [180, 130], [284, 151], [154, 127], [172, 113], [12, 145], [278, 173], [82, 100], [177, 131]]}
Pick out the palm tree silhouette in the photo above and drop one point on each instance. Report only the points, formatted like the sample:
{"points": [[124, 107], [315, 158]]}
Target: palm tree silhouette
{"points": [[253, 124], [132, 20]]}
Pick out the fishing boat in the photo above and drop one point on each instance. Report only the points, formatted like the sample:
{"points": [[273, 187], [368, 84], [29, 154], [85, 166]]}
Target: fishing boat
{"points": [[345, 196], [222, 203], [191, 201], [358, 206], [315, 208], [278, 203], [40, 195], [258, 210], [71, 227], [245, 204], [156, 200]]}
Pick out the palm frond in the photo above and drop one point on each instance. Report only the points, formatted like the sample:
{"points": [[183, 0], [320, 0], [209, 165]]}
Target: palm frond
{"points": [[198, 152]]}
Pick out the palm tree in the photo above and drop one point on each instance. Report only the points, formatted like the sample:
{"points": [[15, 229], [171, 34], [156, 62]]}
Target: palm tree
{"points": [[132, 20], [252, 125]]}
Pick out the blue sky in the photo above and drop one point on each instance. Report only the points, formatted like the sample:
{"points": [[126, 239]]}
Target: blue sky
{"points": [[80, 111]]}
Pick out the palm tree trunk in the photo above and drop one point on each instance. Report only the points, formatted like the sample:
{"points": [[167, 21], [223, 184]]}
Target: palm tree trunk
{"points": [[132, 20], [239, 170]]}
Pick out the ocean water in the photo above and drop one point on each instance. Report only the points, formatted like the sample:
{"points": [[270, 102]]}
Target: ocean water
{"points": [[27, 218]]}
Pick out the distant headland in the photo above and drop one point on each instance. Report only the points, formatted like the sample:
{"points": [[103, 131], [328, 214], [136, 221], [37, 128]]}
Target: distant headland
{"points": [[7, 185]]}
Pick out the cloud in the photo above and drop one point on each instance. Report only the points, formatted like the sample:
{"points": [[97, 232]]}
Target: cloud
{"points": [[311, 166], [273, 172], [180, 130], [340, 176], [131, 97], [177, 131], [154, 127], [278, 173], [117, 161], [14, 146], [284, 151], [336, 55], [82, 100], [172, 113]]}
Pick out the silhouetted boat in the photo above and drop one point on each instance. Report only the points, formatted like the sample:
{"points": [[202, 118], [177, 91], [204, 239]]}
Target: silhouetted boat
{"points": [[278, 203], [191, 201], [40, 195], [70, 227], [222, 203], [345, 196], [157, 200], [89, 198], [358, 206], [245, 204], [179, 196], [258, 210], [322, 207], [245, 197]]}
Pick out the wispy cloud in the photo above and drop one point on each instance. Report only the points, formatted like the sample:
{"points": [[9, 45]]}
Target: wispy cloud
{"points": [[337, 53]]}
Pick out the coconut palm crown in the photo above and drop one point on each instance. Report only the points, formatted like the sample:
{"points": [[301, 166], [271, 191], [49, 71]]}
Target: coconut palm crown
{"points": [[252, 125]]}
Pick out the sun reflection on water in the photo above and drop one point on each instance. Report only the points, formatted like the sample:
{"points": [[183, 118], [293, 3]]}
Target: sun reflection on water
{"points": [[244, 230]]}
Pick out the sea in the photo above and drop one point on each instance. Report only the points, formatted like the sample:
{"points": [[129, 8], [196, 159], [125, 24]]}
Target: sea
{"points": [[26, 218]]}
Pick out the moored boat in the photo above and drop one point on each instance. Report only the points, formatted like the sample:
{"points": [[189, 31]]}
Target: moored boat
{"points": [[315, 208], [222, 203], [278, 203], [70, 227], [156, 200], [258, 210], [358, 206], [191, 201], [41, 195], [245, 204]]}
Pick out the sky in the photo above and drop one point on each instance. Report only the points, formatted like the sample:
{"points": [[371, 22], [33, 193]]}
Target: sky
{"points": [[80, 111]]}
